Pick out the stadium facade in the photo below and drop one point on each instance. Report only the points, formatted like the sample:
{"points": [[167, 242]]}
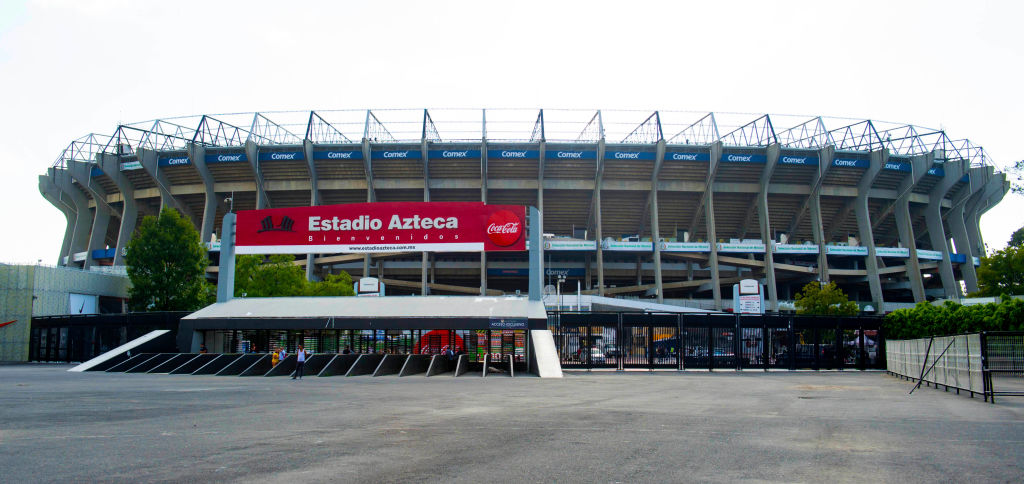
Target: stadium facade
{"points": [[664, 205]]}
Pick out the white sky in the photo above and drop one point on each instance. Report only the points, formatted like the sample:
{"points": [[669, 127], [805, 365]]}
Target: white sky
{"points": [[68, 68]]}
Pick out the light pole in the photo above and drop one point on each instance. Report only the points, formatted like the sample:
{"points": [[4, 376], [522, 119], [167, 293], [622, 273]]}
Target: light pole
{"points": [[561, 279]]}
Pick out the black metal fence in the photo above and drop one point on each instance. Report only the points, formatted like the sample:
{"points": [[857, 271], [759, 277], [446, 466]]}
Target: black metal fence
{"points": [[80, 337], [610, 340]]}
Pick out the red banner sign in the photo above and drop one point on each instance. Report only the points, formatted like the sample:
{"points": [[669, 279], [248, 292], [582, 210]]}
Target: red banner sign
{"points": [[382, 227]]}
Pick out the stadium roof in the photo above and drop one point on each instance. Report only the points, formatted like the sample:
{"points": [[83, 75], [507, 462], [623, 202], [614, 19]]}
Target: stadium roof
{"points": [[336, 127]]}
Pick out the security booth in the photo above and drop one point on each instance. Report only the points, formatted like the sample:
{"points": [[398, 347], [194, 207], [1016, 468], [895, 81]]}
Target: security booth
{"points": [[478, 330]]}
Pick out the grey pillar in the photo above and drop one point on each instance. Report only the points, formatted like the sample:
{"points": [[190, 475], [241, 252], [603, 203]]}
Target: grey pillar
{"points": [[54, 195], [878, 158], [536, 254], [314, 198], [956, 220], [371, 192], [197, 154], [483, 198], [252, 152], [150, 162], [84, 216], [954, 170], [82, 173], [764, 220], [993, 184], [226, 272], [111, 165], [659, 159], [709, 219]]}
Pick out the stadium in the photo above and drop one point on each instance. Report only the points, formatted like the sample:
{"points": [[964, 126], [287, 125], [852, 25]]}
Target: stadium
{"points": [[673, 207]]}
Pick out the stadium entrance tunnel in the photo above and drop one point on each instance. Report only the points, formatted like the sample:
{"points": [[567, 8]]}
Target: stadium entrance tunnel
{"points": [[349, 337]]}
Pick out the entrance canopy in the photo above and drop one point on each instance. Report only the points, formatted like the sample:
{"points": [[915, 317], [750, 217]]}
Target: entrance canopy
{"points": [[392, 312]]}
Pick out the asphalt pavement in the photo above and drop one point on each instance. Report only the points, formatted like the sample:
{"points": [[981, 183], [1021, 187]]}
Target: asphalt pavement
{"points": [[850, 426]]}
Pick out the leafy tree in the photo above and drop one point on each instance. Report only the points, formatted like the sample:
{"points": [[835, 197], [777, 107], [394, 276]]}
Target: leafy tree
{"points": [[167, 265], [279, 276], [1016, 175], [1017, 239], [925, 319], [824, 299], [1002, 272]]}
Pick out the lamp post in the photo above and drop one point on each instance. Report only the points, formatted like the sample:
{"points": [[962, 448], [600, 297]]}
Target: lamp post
{"points": [[561, 279]]}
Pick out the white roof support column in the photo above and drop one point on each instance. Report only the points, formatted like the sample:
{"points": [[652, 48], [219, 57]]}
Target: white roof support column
{"points": [[595, 215], [197, 154], [919, 166], [878, 158], [55, 196], [659, 159], [483, 198], [954, 170], [772, 159], [82, 173], [371, 191], [111, 165]]}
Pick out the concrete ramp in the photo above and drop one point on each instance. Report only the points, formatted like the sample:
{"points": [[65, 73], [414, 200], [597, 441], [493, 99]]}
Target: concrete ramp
{"points": [[544, 357], [415, 365], [217, 364], [126, 364], [121, 350], [284, 367], [259, 367], [316, 363], [339, 365], [151, 363], [365, 365], [440, 365], [194, 364], [173, 363], [390, 365], [239, 365]]}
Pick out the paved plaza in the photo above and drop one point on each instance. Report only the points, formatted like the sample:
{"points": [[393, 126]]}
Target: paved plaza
{"points": [[57, 426]]}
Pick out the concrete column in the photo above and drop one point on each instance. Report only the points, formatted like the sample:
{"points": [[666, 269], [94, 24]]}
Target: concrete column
{"points": [[371, 192], [764, 220], [314, 198], [976, 206], [483, 198], [709, 220], [956, 220], [197, 154], [425, 256], [53, 194], [598, 229], [82, 173], [83, 215], [252, 152], [905, 230], [659, 159], [111, 165], [954, 171], [878, 158], [150, 162]]}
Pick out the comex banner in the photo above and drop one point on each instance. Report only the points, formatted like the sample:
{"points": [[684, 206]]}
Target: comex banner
{"points": [[382, 227]]}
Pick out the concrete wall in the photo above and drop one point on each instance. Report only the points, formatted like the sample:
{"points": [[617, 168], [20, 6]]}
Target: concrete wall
{"points": [[50, 287]]}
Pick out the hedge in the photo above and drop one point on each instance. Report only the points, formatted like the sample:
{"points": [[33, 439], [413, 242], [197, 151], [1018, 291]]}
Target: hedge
{"points": [[926, 320]]}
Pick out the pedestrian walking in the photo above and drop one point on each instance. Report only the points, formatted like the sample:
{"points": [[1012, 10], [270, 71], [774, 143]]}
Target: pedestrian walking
{"points": [[300, 361]]}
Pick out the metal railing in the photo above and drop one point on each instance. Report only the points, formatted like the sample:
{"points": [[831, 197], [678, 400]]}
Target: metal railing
{"points": [[965, 362]]}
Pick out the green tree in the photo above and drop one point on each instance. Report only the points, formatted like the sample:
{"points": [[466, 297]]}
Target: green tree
{"points": [[1016, 176], [1002, 272], [279, 276], [824, 299], [166, 264], [1017, 238]]}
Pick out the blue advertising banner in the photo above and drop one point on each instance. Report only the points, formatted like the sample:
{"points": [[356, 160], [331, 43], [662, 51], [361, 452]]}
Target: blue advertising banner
{"points": [[513, 154], [96, 171], [175, 161], [682, 156], [283, 156], [226, 158], [453, 154], [629, 155], [898, 165], [850, 163], [570, 155], [937, 171], [338, 155], [798, 160], [396, 155], [740, 158]]}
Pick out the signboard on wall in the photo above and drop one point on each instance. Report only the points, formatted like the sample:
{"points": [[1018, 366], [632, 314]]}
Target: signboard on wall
{"points": [[382, 227], [83, 304]]}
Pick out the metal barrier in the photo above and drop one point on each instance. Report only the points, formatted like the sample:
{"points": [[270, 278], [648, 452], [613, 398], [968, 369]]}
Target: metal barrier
{"points": [[968, 362], [619, 341]]}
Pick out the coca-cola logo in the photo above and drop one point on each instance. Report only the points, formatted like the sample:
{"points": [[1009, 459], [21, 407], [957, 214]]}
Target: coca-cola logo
{"points": [[504, 228]]}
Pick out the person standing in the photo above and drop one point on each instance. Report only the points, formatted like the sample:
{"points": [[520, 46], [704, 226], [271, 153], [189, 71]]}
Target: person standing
{"points": [[300, 361]]}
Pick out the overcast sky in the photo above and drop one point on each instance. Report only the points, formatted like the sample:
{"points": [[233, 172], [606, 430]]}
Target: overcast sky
{"points": [[68, 68]]}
